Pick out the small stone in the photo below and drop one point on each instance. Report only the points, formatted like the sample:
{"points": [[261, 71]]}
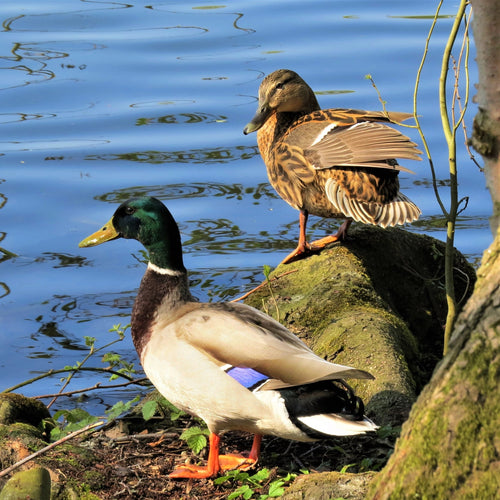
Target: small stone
{"points": [[31, 483]]}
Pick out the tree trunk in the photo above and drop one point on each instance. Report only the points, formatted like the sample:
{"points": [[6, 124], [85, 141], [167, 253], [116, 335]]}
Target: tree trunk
{"points": [[450, 446], [486, 132]]}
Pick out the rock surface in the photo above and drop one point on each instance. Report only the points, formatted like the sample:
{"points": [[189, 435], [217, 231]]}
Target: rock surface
{"points": [[28, 484], [375, 302]]}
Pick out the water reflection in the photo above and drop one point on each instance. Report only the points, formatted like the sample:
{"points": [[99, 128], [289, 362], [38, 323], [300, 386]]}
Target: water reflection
{"points": [[63, 260], [191, 190], [33, 66], [65, 309], [222, 285], [205, 155], [22, 117], [4, 253], [182, 118], [51, 330]]}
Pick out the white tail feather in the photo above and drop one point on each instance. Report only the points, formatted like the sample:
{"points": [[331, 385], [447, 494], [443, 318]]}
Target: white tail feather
{"points": [[335, 425]]}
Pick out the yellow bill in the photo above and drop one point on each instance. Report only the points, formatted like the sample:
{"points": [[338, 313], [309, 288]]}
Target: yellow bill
{"points": [[106, 233]]}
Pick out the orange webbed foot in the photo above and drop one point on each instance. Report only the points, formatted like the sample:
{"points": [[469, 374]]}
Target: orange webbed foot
{"points": [[218, 462], [234, 461], [301, 252], [192, 471]]}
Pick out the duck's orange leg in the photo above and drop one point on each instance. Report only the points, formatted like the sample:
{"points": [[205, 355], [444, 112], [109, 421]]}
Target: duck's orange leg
{"points": [[303, 248], [216, 462], [200, 471], [340, 235]]}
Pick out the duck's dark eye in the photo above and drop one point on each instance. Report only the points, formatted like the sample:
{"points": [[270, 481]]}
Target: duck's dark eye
{"points": [[280, 86], [129, 210]]}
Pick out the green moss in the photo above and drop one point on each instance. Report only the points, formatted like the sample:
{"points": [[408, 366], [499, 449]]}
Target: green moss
{"points": [[94, 479], [76, 489], [18, 408], [32, 483], [451, 445]]}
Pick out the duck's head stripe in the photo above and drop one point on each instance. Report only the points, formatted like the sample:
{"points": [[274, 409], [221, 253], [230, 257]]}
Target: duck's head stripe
{"points": [[247, 377]]}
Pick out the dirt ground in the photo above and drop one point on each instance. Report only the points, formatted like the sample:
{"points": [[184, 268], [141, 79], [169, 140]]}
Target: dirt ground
{"points": [[136, 466]]}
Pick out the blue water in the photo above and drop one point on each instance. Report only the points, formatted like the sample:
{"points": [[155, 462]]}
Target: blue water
{"points": [[104, 100]]}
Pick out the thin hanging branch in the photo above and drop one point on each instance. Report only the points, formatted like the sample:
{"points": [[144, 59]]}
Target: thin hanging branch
{"points": [[66, 370], [415, 113]]}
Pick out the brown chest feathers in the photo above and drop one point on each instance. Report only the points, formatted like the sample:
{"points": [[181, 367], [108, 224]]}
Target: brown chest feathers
{"points": [[159, 294]]}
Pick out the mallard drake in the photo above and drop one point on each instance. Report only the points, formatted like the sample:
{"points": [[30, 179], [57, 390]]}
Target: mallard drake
{"points": [[227, 363], [336, 163]]}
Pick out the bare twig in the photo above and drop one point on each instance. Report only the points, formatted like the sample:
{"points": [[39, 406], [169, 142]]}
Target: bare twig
{"points": [[66, 370], [263, 284], [415, 113], [138, 381], [145, 437], [450, 128]]}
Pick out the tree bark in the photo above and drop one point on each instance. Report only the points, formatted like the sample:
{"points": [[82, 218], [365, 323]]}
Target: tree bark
{"points": [[486, 131], [450, 446]]}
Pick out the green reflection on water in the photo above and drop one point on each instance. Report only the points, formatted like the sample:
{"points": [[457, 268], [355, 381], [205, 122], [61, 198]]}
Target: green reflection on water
{"points": [[191, 190], [217, 155]]}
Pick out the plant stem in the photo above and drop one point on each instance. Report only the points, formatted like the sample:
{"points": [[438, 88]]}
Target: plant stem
{"points": [[138, 381], [450, 135], [415, 113]]}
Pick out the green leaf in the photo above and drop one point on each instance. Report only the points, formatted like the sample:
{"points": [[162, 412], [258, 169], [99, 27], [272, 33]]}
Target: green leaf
{"points": [[112, 358], [120, 408], [266, 271], [344, 469], [276, 488], [261, 475], [195, 437], [149, 409], [89, 341], [243, 491]]}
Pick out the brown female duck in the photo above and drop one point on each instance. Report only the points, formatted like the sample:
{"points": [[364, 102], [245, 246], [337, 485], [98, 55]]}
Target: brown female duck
{"points": [[336, 163]]}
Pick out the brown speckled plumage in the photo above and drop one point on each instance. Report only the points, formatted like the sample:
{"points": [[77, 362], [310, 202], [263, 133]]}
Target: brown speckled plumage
{"points": [[332, 162]]}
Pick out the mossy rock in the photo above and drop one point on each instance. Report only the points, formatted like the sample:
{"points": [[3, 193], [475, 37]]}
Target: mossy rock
{"points": [[18, 408], [32, 483], [375, 302], [18, 441], [329, 485]]}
